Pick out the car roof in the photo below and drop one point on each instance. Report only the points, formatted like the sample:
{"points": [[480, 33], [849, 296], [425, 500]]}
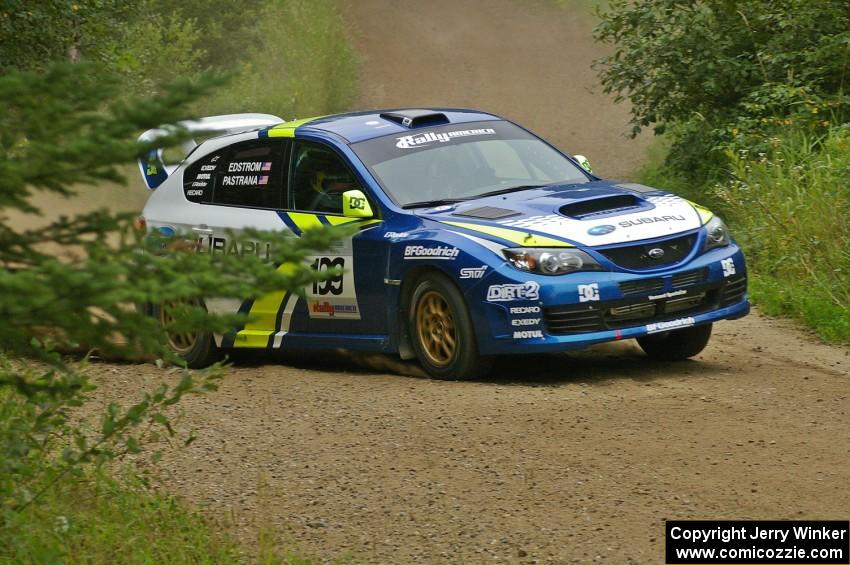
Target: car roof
{"points": [[360, 126]]}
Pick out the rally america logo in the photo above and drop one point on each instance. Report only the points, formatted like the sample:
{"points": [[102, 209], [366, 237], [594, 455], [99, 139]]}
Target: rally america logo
{"points": [[423, 139]]}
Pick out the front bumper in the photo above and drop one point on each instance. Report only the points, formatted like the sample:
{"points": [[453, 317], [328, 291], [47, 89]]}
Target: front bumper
{"points": [[581, 309]]}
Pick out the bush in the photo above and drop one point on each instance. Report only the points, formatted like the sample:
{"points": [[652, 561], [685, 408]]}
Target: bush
{"points": [[718, 72], [789, 208]]}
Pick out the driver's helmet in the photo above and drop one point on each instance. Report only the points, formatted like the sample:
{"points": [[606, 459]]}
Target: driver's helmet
{"points": [[328, 174]]}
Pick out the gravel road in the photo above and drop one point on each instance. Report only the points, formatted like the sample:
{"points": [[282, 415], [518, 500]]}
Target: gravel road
{"points": [[554, 459], [563, 458]]}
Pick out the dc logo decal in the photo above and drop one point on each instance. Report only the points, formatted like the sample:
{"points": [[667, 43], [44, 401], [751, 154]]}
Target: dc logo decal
{"points": [[728, 266], [588, 292], [357, 203]]}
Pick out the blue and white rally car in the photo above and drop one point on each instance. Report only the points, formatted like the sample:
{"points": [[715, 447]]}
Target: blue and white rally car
{"points": [[477, 238]]}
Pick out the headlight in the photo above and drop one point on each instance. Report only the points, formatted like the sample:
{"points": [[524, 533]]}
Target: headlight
{"points": [[555, 261], [717, 233]]}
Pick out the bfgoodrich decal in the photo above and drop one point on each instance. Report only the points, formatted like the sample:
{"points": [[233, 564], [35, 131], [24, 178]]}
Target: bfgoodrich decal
{"points": [[509, 292], [423, 252], [671, 325]]}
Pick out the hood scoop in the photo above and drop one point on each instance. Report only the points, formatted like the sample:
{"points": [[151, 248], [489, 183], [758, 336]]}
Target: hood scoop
{"points": [[487, 213], [606, 205]]}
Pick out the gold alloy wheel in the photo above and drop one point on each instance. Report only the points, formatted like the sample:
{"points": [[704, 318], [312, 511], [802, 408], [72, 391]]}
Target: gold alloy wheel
{"points": [[436, 328], [180, 343]]}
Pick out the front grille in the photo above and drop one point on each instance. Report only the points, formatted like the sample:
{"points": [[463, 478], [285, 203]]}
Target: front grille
{"points": [[639, 310], [689, 278], [640, 286], [734, 291], [640, 256]]}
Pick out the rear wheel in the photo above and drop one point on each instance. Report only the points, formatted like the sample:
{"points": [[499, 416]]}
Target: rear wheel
{"points": [[198, 349], [676, 345], [441, 330]]}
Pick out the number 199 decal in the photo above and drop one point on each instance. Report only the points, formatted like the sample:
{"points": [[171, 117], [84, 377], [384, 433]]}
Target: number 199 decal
{"points": [[334, 284]]}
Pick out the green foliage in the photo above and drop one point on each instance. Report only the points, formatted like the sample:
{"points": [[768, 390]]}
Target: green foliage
{"points": [[34, 34], [99, 520], [298, 63], [720, 72], [789, 207], [73, 282]]}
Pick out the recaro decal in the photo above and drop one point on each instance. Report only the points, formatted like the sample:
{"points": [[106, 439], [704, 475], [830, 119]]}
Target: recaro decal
{"points": [[525, 309]]}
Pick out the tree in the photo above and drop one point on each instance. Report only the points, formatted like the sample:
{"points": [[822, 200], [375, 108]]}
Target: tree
{"points": [[59, 130], [715, 69]]}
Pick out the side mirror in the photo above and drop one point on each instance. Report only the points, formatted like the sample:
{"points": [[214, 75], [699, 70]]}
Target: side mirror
{"points": [[355, 205], [585, 164]]}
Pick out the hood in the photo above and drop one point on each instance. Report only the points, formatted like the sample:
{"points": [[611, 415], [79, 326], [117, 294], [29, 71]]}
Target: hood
{"points": [[588, 214]]}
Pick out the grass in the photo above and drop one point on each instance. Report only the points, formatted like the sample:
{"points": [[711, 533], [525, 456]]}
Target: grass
{"points": [[788, 210], [98, 519]]}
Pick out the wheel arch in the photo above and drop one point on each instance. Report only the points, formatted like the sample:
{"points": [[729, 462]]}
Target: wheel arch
{"points": [[408, 283]]}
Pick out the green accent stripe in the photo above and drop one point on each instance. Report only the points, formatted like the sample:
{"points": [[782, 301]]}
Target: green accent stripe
{"points": [[519, 237], [287, 129]]}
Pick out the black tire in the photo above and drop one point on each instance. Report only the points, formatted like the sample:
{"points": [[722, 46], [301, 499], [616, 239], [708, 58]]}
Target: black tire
{"points": [[676, 345], [464, 361], [197, 350]]}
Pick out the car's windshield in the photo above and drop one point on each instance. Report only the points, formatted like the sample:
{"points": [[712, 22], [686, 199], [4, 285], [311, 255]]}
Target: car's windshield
{"points": [[463, 161]]}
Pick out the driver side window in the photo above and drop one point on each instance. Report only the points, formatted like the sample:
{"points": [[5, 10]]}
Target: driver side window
{"points": [[319, 177]]}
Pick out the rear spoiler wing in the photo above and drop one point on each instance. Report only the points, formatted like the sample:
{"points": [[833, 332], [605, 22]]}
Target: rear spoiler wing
{"points": [[152, 166]]}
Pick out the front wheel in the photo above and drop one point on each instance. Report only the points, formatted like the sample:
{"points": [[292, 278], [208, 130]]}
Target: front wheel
{"points": [[441, 330], [676, 345], [198, 349]]}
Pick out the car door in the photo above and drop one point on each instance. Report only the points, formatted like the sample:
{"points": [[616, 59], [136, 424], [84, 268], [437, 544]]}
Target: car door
{"points": [[351, 303], [243, 186]]}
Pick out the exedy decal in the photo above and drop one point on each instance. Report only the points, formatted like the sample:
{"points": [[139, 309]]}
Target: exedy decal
{"points": [[423, 139]]}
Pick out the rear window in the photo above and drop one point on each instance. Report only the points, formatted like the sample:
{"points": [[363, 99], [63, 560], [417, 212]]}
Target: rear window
{"points": [[249, 174]]}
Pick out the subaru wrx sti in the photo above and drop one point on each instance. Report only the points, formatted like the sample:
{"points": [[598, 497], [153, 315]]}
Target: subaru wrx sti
{"points": [[476, 239]]}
